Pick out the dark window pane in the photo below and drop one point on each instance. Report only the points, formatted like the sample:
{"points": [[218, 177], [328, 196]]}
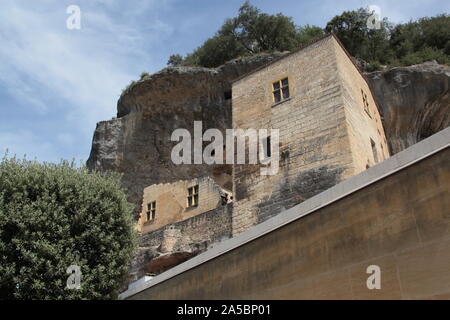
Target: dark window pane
{"points": [[277, 96], [190, 201], [268, 148], [285, 82], [196, 200], [190, 190], [228, 95], [286, 93], [276, 85], [196, 189]]}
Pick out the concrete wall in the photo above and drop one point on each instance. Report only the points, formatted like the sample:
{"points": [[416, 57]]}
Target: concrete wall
{"points": [[395, 215], [324, 136], [171, 202]]}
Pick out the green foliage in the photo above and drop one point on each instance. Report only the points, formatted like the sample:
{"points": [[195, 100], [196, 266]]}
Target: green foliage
{"points": [[373, 66], [53, 216], [132, 83], [215, 52], [175, 60], [423, 40], [401, 45], [309, 33], [253, 32], [360, 41], [260, 32], [144, 74]]}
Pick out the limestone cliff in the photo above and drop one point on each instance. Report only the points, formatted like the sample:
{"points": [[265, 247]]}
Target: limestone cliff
{"points": [[414, 101], [138, 144]]}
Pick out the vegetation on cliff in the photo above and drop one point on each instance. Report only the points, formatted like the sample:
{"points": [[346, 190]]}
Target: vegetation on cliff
{"points": [[54, 216], [253, 32]]}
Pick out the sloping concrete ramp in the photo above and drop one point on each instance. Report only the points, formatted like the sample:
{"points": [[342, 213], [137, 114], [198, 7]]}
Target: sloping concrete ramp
{"points": [[394, 218]]}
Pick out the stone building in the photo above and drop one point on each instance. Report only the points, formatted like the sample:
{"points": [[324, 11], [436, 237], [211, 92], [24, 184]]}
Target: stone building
{"points": [[165, 204], [330, 128]]}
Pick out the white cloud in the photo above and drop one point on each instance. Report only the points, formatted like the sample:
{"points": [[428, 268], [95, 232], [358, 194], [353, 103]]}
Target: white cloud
{"points": [[75, 76]]}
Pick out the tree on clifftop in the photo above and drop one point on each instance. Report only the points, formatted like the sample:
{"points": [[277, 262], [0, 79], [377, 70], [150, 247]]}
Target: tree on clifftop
{"points": [[251, 32]]}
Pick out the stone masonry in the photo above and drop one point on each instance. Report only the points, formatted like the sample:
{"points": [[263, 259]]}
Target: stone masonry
{"points": [[171, 204], [330, 129]]}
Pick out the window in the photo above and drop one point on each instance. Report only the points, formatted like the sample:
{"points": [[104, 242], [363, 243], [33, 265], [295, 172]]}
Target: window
{"points": [[281, 90], [374, 151], [366, 103], [151, 212], [227, 95], [267, 145], [193, 197]]}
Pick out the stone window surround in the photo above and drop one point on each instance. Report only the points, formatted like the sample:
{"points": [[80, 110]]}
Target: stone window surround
{"points": [[282, 89], [193, 197], [151, 212]]}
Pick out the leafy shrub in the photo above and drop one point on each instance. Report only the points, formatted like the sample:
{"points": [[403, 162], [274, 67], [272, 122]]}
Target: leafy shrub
{"points": [[144, 74], [132, 83], [53, 216]]}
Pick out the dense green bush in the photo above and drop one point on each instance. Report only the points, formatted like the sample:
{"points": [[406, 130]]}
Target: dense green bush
{"points": [[53, 216]]}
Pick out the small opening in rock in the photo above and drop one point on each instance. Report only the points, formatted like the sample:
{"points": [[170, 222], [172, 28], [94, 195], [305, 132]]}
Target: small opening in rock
{"points": [[227, 95]]}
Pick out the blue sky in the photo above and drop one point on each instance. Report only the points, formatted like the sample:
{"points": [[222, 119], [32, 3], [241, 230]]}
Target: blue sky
{"points": [[56, 84]]}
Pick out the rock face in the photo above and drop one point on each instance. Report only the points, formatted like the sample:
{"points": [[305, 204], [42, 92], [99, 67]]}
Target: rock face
{"points": [[138, 143], [414, 101]]}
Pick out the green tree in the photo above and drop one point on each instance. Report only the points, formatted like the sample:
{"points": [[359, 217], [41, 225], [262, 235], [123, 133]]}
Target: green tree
{"points": [[215, 52], [53, 216], [261, 32], [360, 41], [175, 60], [251, 32], [418, 41], [309, 33]]}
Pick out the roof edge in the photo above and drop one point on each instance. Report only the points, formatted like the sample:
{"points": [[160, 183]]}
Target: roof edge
{"points": [[302, 47]]}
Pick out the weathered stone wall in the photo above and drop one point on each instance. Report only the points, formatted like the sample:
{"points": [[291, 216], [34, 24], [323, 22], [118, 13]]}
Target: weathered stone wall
{"points": [[315, 127], [400, 223], [138, 144], [182, 239], [414, 101], [171, 202], [364, 123]]}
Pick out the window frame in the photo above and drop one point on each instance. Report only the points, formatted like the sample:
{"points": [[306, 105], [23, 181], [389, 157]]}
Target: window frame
{"points": [[193, 196], [151, 211], [366, 103], [281, 89], [267, 147], [373, 145]]}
